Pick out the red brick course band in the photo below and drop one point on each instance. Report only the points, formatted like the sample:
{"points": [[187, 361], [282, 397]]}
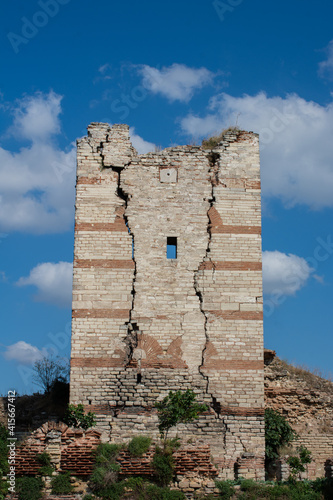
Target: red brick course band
{"points": [[119, 225], [238, 315], [231, 265], [216, 364], [233, 364], [105, 263], [225, 410], [236, 229], [97, 362], [101, 313]]}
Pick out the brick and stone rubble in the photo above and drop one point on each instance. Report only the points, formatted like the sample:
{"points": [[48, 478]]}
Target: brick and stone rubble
{"points": [[69, 449], [306, 401], [144, 324]]}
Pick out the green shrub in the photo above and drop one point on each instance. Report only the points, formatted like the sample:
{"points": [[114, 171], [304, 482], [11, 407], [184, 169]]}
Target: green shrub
{"points": [[324, 486], [61, 484], [106, 471], [226, 489], [75, 417], [139, 445], [163, 466], [104, 476], [45, 460], [278, 433], [303, 490], [3, 449], [46, 470], [154, 492], [107, 452], [113, 491], [298, 462], [177, 407], [29, 488]]}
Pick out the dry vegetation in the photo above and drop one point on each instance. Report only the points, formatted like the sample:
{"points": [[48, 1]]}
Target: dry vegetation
{"points": [[212, 142], [315, 379]]}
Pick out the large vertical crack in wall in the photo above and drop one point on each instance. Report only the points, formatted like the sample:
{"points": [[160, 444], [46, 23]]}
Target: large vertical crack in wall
{"points": [[213, 177], [131, 339], [213, 159]]}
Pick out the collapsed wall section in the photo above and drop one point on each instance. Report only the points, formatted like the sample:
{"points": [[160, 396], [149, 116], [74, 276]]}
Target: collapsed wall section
{"points": [[167, 290]]}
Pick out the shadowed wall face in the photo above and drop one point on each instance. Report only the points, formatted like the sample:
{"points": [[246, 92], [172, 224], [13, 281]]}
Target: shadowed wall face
{"points": [[167, 289]]}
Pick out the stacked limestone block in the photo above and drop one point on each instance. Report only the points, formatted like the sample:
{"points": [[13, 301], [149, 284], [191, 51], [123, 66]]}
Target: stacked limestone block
{"points": [[144, 324]]}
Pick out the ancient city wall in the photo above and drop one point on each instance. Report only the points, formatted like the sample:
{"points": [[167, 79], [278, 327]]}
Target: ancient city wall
{"points": [[143, 323], [306, 401]]}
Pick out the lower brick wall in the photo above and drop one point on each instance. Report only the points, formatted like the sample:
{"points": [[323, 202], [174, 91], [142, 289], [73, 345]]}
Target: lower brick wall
{"points": [[189, 461], [321, 447], [70, 449]]}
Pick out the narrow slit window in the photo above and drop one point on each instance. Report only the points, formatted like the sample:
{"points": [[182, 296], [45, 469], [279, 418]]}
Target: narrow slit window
{"points": [[171, 247]]}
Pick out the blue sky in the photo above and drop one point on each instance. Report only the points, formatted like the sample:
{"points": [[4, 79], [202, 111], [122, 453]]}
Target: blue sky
{"points": [[176, 73]]}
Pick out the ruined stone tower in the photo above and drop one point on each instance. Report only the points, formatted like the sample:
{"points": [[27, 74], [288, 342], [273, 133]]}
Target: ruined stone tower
{"points": [[167, 290]]}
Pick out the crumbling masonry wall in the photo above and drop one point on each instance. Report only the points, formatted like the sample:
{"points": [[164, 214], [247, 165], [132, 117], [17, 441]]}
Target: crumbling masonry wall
{"points": [[144, 324]]}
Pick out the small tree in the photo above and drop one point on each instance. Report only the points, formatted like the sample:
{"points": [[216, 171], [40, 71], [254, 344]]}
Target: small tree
{"points": [[47, 371], [75, 417], [278, 432], [299, 463], [177, 407]]}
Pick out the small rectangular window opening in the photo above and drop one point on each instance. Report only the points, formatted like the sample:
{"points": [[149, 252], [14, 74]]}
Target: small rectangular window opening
{"points": [[171, 247]]}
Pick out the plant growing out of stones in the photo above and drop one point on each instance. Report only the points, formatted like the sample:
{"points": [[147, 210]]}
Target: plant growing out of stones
{"points": [[299, 463], [139, 445], [278, 433], [61, 484], [106, 471], [75, 417], [29, 488], [44, 460], [177, 407]]}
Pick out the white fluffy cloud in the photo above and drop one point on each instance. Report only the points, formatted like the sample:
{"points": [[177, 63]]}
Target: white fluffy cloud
{"points": [[326, 67], [23, 353], [284, 274], [176, 82], [140, 144], [295, 138], [37, 183], [37, 117], [53, 282]]}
